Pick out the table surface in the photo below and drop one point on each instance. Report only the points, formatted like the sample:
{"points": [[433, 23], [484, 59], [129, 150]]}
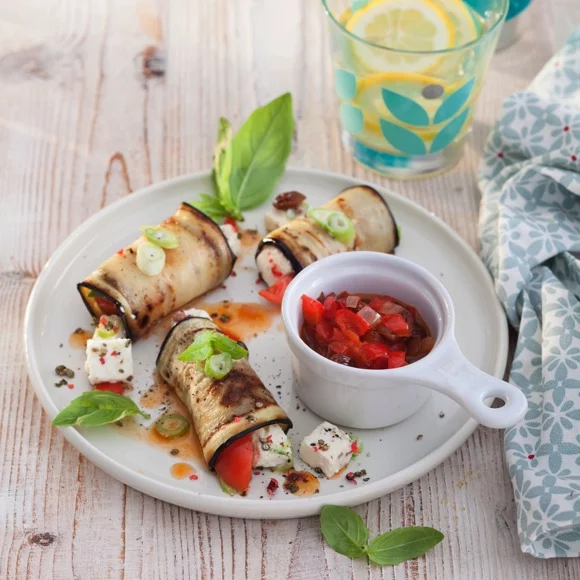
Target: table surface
{"points": [[84, 123]]}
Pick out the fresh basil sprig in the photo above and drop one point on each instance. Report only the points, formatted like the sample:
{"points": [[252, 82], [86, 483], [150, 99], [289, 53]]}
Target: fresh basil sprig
{"points": [[346, 533], [94, 408], [344, 530], [402, 544], [247, 167]]}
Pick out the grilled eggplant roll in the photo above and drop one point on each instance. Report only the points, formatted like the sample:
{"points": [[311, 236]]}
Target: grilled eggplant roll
{"points": [[202, 260], [222, 410], [292, 247]]}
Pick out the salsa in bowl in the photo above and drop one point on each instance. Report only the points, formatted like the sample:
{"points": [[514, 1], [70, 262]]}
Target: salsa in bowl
{"points": [[366, 331], [368, 368]]}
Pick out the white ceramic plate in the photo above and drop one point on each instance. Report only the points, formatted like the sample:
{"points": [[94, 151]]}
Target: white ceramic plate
{"points": [[393, 456]]}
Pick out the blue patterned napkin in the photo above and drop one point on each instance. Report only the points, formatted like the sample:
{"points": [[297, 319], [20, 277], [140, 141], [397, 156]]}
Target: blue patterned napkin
{"points": [[530, 228]]}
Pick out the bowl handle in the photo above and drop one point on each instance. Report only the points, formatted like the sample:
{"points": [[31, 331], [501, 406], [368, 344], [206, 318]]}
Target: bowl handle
{"points": [[469, 386]]}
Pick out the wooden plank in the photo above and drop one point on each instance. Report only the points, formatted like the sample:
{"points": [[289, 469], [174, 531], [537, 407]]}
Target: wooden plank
{"points": [[100, 98]]}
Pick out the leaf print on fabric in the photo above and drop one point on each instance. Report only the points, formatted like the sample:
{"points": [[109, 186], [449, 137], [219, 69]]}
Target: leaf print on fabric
{"points": [[529, 227]]}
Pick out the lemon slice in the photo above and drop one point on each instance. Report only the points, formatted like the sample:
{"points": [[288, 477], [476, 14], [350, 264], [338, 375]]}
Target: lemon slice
{"points": [[402, 25], [464, 23]]}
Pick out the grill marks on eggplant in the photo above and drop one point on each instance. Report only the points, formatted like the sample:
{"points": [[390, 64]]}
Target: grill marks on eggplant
{"points": [[221, 410], [303, 242], [202, 261]]}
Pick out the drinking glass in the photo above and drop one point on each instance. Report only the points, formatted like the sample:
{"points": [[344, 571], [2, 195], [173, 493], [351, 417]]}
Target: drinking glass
{"points": [[406, 113]]}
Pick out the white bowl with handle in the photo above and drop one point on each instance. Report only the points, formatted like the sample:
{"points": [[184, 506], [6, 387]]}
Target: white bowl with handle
{"points": [[368, 398]]}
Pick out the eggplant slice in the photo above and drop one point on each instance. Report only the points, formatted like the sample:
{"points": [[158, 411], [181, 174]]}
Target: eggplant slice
{"points": [[222, 410], [302, 242], [202, 261]]}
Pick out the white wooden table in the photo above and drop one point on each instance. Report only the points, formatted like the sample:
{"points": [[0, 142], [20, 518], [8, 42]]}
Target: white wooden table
{"points": [[81, 126]]}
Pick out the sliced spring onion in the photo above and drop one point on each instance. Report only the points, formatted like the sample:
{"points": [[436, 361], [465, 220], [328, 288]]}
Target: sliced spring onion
{"points": [[160, 237], [218, 366], [224, 343], [102, 332], [172, 425], [201, 348], [369, 315], [150, 259], [341, 228], [335, 223]]}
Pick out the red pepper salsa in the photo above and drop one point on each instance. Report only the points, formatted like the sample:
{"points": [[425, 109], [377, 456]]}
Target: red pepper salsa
{"points": [[366, 331]]}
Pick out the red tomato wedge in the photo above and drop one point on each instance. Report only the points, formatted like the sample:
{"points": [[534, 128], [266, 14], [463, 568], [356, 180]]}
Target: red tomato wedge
{"points": [[106, 306], [118, 388], [348, 320], [234, 465], [396, 324], [275, 293], [312, 309]]}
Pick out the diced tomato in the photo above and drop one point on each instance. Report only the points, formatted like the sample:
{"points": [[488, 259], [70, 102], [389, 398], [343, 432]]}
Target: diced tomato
{"points": [[396, 324], [330, 307], [118, 388], [377, 303], [376, 355], [325, 331], [106, 306], [231, 222], [340, 347], [348, 320], [234, 465], [397, 359], [312, 309], [275, 293]]}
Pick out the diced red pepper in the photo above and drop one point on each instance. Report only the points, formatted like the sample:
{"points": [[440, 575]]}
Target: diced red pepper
{"points": [[275, 293], [231, 222], [348, 320], [396, 324], [312, 309], [118, 388]]}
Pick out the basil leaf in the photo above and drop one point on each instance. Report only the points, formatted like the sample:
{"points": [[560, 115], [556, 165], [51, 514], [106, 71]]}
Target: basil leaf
{"points": [[402, 544], [201, 348], [344, 530], [210, 206], [260, 150], [94, 408], [222, 167], [224, 343]]}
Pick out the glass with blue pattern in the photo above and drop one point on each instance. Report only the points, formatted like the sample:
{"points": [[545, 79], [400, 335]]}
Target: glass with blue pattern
{"points": [[406, 112]]}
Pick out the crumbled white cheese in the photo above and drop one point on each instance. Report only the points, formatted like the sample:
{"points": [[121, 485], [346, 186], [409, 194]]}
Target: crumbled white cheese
{"points": [[106, 325], [327, 448], [109, 360], [276, 218], [232, 238], [272, 448], [272, 264], [196, 313]]}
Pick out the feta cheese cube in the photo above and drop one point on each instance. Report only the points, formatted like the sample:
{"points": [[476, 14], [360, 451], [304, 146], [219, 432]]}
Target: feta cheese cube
{"points": [[327, 448], [272, 448], [109, 360]]}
